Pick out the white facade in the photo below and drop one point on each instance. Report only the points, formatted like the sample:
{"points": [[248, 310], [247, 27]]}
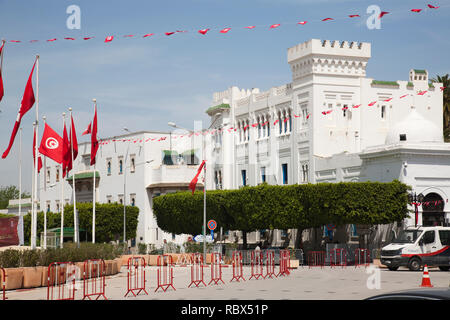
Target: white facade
{"points": [[346, 144], [144, 171]]}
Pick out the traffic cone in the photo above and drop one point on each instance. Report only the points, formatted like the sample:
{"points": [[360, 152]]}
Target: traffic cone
{"points": [[426, 278]]}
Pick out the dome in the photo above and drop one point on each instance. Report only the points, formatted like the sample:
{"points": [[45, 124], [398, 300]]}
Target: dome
{"points": [[414, 128]]}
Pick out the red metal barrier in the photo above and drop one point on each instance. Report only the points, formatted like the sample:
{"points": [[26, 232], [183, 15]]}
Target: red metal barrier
{"points": [[197, 270], [61, 277], [237, 266], [3, 283], [270, 264], [257, 264], [285, 263], [316, 259], [94, 279], [165, 272], [216, 268], [362, 257], [338, 257], [136, 276]]}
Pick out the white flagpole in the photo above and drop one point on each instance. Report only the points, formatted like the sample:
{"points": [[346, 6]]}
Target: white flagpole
{"points": [[32, 237], [75, 213], [45, 162], [61, 239], [20, 189], [33, 241], [93, 192]]}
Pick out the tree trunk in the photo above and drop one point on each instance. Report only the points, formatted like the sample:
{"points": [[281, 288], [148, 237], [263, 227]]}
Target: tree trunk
{"points": [[244, 240], [299, 239]]}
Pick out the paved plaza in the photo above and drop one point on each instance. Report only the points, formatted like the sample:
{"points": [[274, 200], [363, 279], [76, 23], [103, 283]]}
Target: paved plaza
{"points": [[304, 283]]}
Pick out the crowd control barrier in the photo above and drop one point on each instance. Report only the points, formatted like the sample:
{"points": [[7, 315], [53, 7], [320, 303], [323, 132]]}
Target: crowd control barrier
{"points": [[316, 259], [165, 272], [338, 257], [196, 270], [3, 283], [285, 263], [257, 264], [136, 276], [237, 266], [216, 268], [94, 271], [270, 264], [362, 257], [61, 281]]}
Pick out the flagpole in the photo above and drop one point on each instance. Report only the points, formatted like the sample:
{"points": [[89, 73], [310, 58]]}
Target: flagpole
{"points": [[75, 212], [93, 189], [61, 239], [45, 161], [204, 199], [32, 236], [33, 243], [21, 240], [1, 58]]}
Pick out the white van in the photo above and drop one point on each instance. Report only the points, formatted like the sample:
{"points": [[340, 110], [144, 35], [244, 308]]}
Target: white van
{"points": [[414, 247]]}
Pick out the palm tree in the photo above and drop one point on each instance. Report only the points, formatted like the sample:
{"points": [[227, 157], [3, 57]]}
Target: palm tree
{"points": [[445, 80]]}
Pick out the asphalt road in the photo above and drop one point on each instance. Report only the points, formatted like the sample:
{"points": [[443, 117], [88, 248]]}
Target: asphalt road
{"points": [[304, 283]]}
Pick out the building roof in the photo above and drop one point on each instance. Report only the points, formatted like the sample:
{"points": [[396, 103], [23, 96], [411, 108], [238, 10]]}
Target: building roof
{"points": [[385, 83], [420, 71], [218, 107]]}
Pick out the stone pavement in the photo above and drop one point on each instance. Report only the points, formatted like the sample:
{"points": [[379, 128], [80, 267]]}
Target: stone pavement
{"points": [[302, 284]]}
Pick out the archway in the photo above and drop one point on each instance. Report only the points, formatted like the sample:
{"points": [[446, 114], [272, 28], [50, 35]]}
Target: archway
{"points": [[433, 210]]}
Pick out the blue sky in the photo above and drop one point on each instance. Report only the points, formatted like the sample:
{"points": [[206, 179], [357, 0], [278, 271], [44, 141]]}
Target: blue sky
{"points": [[144, 83]]}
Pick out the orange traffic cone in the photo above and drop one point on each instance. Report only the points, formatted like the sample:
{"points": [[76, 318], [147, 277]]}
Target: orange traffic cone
{"points": [[426, 278]]}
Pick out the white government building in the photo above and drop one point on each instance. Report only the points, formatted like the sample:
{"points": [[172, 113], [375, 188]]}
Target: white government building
{"points": [[330, 124]]}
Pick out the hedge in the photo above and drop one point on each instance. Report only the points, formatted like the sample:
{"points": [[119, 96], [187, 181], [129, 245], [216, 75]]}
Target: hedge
{"points": [[11, 258], [284, 207], [108, 221]]}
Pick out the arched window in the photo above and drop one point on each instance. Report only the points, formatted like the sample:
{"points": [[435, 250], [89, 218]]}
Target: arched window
{"points": [[109, 167], [280, 123], [120, 166], [259, 128]]}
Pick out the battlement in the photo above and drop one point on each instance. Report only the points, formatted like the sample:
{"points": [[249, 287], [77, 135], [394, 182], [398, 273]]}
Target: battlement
{"points": [[330, 48]]}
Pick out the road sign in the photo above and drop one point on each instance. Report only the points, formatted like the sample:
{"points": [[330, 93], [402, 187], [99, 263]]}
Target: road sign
{"points": [[212, 224], [199, 238]]}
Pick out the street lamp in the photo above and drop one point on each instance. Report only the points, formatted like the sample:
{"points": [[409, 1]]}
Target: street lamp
{"points": [[416, 200], [172, 124]]}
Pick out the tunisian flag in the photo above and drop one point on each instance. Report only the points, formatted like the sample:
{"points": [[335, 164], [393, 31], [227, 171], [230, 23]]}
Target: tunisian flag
{"points": [[87, 131], [94, 141], [73, 141], [1, 79], [34, 152], [67, 156], [194, 181], [51, 145], [25, 105]]}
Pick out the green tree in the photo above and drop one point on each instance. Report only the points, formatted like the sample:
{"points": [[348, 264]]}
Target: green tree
{"points": [[445, 80], [10, 192]]}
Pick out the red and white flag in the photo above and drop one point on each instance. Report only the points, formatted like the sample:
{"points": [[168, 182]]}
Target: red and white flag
{"points": [[169, 33], [88, 38], [416, 10], [87, 131], [303, 22], [26, 104], [148, 35], [383, 13], [94, 141], [203, 31], [274, 26], [193, 183], [50, 40], [354, 15], [109, 38], [73, 142], [69, 38], [372, 103], [225, 30], [432, 7], [403, 96], [51, 145], [326, 19], [442, 88], [1, 79], [387, 100], [250, 27], [34, 152], [421, 93], [357, 106]]}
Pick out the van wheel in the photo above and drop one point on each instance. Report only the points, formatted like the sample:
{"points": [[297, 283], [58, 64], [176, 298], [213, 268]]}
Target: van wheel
{"points": [[444, 268], [393, 268], [414, 264]]}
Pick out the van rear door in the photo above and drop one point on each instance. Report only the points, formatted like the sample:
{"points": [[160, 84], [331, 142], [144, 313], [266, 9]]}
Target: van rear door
{"points": [[444, 256], [429, 245]]}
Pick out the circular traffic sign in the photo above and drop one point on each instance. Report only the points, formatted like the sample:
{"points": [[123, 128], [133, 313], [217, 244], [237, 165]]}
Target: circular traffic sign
{"points": [[212, 224]]}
